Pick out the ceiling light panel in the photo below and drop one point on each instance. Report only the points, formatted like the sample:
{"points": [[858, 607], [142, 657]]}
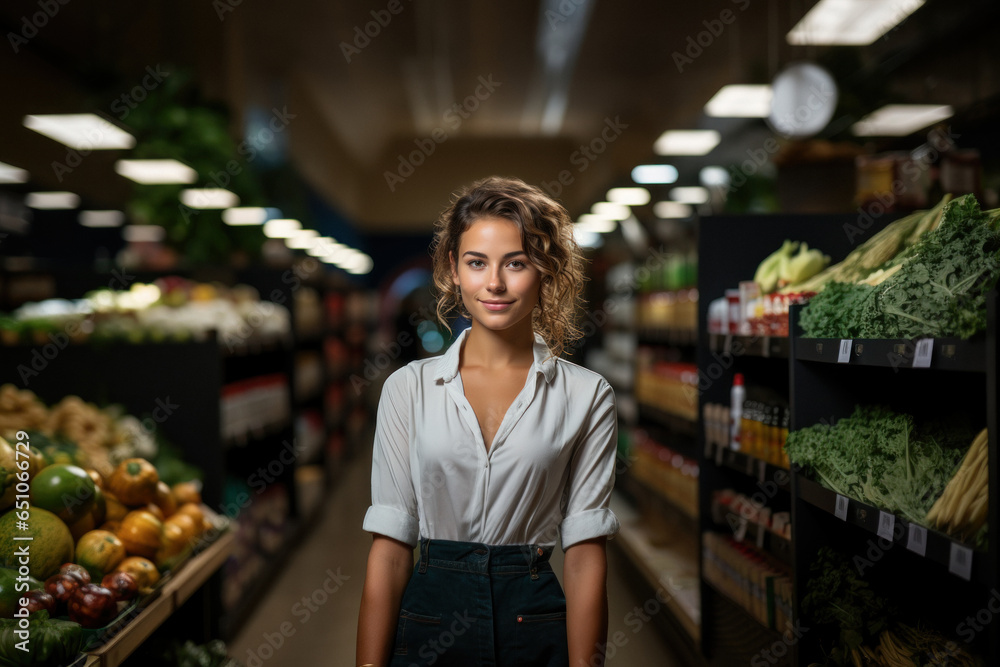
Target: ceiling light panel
{"points": [[209, 198], [102, 218], [740, 101], [650, 174], [629, 196], [156, 172], [850, 22], [83, 131], [687, 142], [52, 200], [11, 174], [899, 120]]}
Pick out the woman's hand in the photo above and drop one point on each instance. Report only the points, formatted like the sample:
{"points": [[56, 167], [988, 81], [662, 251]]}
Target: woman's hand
{"points": [[585, 575], [390, 563]]}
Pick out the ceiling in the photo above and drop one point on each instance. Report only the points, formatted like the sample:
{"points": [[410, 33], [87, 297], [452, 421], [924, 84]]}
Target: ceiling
{"points": [[536, 81]]}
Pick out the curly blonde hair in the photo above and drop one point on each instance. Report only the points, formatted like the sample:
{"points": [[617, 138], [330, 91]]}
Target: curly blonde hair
{"points": [[547, 238]]}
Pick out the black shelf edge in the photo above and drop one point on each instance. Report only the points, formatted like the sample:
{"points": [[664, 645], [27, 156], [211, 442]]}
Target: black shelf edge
{"points": [[667, 335], [676, 424], [866, 517], [751, 466], [950, 354], [776, 347]]}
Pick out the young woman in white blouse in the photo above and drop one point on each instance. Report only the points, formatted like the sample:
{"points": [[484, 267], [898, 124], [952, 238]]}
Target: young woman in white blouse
{"points": [[487, 454]]}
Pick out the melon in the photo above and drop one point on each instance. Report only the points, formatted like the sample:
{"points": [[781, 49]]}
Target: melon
{"points": [[51, 544]]}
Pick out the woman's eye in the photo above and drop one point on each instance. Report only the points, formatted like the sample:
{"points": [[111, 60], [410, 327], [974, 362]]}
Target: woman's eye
{"points": [[476, 263], [517, 264]]}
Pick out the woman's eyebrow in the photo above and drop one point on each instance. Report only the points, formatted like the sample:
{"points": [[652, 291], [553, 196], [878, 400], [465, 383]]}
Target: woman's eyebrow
{"points": [[474, 253]]}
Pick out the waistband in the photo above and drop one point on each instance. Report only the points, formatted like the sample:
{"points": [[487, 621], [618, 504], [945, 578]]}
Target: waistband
{"points": [[485, 558]]}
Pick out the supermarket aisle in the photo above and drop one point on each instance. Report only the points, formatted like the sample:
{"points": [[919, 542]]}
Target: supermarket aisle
{"points": [[303, 620]]}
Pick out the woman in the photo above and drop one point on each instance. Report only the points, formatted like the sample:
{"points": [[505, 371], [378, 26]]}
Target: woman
{"points": [[487, 453]]}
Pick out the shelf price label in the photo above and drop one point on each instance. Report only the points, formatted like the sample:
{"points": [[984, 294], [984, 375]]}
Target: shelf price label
{"points": [[960, 561], [886, 524], [916, 541], [923, 352], [844, 355], [840, 509]]}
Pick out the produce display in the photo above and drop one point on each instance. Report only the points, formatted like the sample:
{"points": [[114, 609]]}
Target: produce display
{"points": [[103, 526], [870, 631], [169, 309], [927, 274], [82, 434], [787, 269], [886, 459]]}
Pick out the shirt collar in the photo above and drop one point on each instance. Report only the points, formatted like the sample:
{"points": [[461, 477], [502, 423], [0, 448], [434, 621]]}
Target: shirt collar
{"points": [[447, 365]]}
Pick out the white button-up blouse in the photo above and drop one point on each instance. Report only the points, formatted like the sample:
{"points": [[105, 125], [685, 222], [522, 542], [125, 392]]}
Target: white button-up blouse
{"points": [[549, 469]]}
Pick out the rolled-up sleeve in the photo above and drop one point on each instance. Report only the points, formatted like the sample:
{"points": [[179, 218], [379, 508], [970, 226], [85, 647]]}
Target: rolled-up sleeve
{"points": [[592, 475], [393, 511]]}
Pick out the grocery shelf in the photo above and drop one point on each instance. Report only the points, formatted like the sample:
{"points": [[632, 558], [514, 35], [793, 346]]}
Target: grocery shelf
{"points": [[749, 465], [749, 346], [634, 483], [939, 548], [172, 594], [764, 539], [676, 424], [667, 335], [671, 568], [952, 354]]}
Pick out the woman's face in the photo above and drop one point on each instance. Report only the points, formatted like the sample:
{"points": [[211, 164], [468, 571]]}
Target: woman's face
{"points": [[499, 286]]}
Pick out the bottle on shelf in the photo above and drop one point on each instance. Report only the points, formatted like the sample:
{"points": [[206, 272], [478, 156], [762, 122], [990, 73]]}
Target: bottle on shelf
{"points": [[736, 397]]}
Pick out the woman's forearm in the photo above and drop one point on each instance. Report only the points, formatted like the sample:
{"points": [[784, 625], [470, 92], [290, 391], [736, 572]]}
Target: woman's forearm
{"points": [[389, 566], [585, 573]]}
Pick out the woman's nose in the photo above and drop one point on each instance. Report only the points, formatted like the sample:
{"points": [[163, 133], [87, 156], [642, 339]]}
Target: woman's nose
{"points": [[496, 282]]}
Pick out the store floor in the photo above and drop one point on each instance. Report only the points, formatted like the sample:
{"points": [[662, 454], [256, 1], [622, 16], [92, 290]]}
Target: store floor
{"points": [[300, 622]]}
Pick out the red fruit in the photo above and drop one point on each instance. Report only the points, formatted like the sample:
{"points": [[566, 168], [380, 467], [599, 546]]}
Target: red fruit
{"points": [[62, 586], [78, 571], [92, 606], [122, 585], [38, 600]]}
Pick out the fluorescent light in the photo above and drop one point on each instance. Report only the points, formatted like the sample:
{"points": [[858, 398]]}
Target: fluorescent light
{"points": [[714, 177], [740, 101], [596, 223], [899, 120], [281, 228], [611, 210], [671, 209], [143, 233], [154, 172], [321, 246], [850, 22], [102, 218], [648, 174], [11, 174], [208, 198], [302, 239], [689, 195], [246, 215], [687, 142], [337, 253], [588, 239], [52, 200], [363, 265], [630, 196], [81, 131]]}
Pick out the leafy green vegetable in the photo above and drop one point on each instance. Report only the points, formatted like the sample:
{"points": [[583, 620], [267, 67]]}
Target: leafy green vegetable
{"points": [[51, 642], [940, 288], [835, 595], [879, 457]]}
